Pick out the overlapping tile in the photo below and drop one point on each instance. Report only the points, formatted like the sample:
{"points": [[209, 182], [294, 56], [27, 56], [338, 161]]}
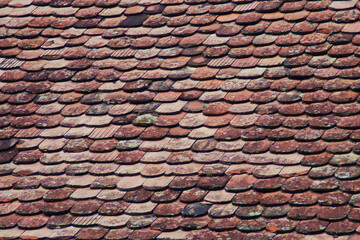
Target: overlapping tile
{"points": [[148, 119]]}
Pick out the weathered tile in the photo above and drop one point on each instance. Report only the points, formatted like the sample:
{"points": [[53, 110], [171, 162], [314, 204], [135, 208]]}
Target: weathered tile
{"points": [[240, 182], [289, 171], [84, 193], [38, 233], [87, 220], [12, 232], [222, 62], [210, 157], [157, 183], [130, 182], [220, 196], [207, 128], [179, 144], [54, 43], [343, 159], [78, 132], [65, 232], [193, 120], [110, 195], [178, 234], [91, 232], [251, 73], [230, 145], [338, 6], [50, 145], [154, 170], [104, 132], [140, 208], [222, 210], [155, 157], [184, 169], [244, 120], [267, 171], [167, 108], [155, 145], [114, 221]]}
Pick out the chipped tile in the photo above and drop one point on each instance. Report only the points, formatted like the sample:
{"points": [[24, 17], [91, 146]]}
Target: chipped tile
{"points": [[54, 43]]}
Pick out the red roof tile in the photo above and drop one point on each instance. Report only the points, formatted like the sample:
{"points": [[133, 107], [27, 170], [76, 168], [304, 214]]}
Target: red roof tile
{"points": [[164, 119]]}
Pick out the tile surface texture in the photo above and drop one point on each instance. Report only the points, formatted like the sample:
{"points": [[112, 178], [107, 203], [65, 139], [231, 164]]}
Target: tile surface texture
{"points": [[179, 119]]}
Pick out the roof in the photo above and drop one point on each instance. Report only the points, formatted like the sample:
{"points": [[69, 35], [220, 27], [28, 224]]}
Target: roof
{"points": [[179, 119]]}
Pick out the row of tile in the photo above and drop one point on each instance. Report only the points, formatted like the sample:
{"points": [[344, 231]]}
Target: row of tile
{"points": [[201, 78], [75, 32], [170, 46], [254, 128], [324, 165], [323, 67], [153, 164], [327, 192], [169, 7], [154, 233], [213, 46], [214, 134], [140, 92], [205, 105], [175, 9], [148, 48], [270, 207], [311, 90], [170, 224], [223, 187], [249, 144], [285, 6], [161, 113], [247, 217], [230, 33], [157, 177], [255, 141]]}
